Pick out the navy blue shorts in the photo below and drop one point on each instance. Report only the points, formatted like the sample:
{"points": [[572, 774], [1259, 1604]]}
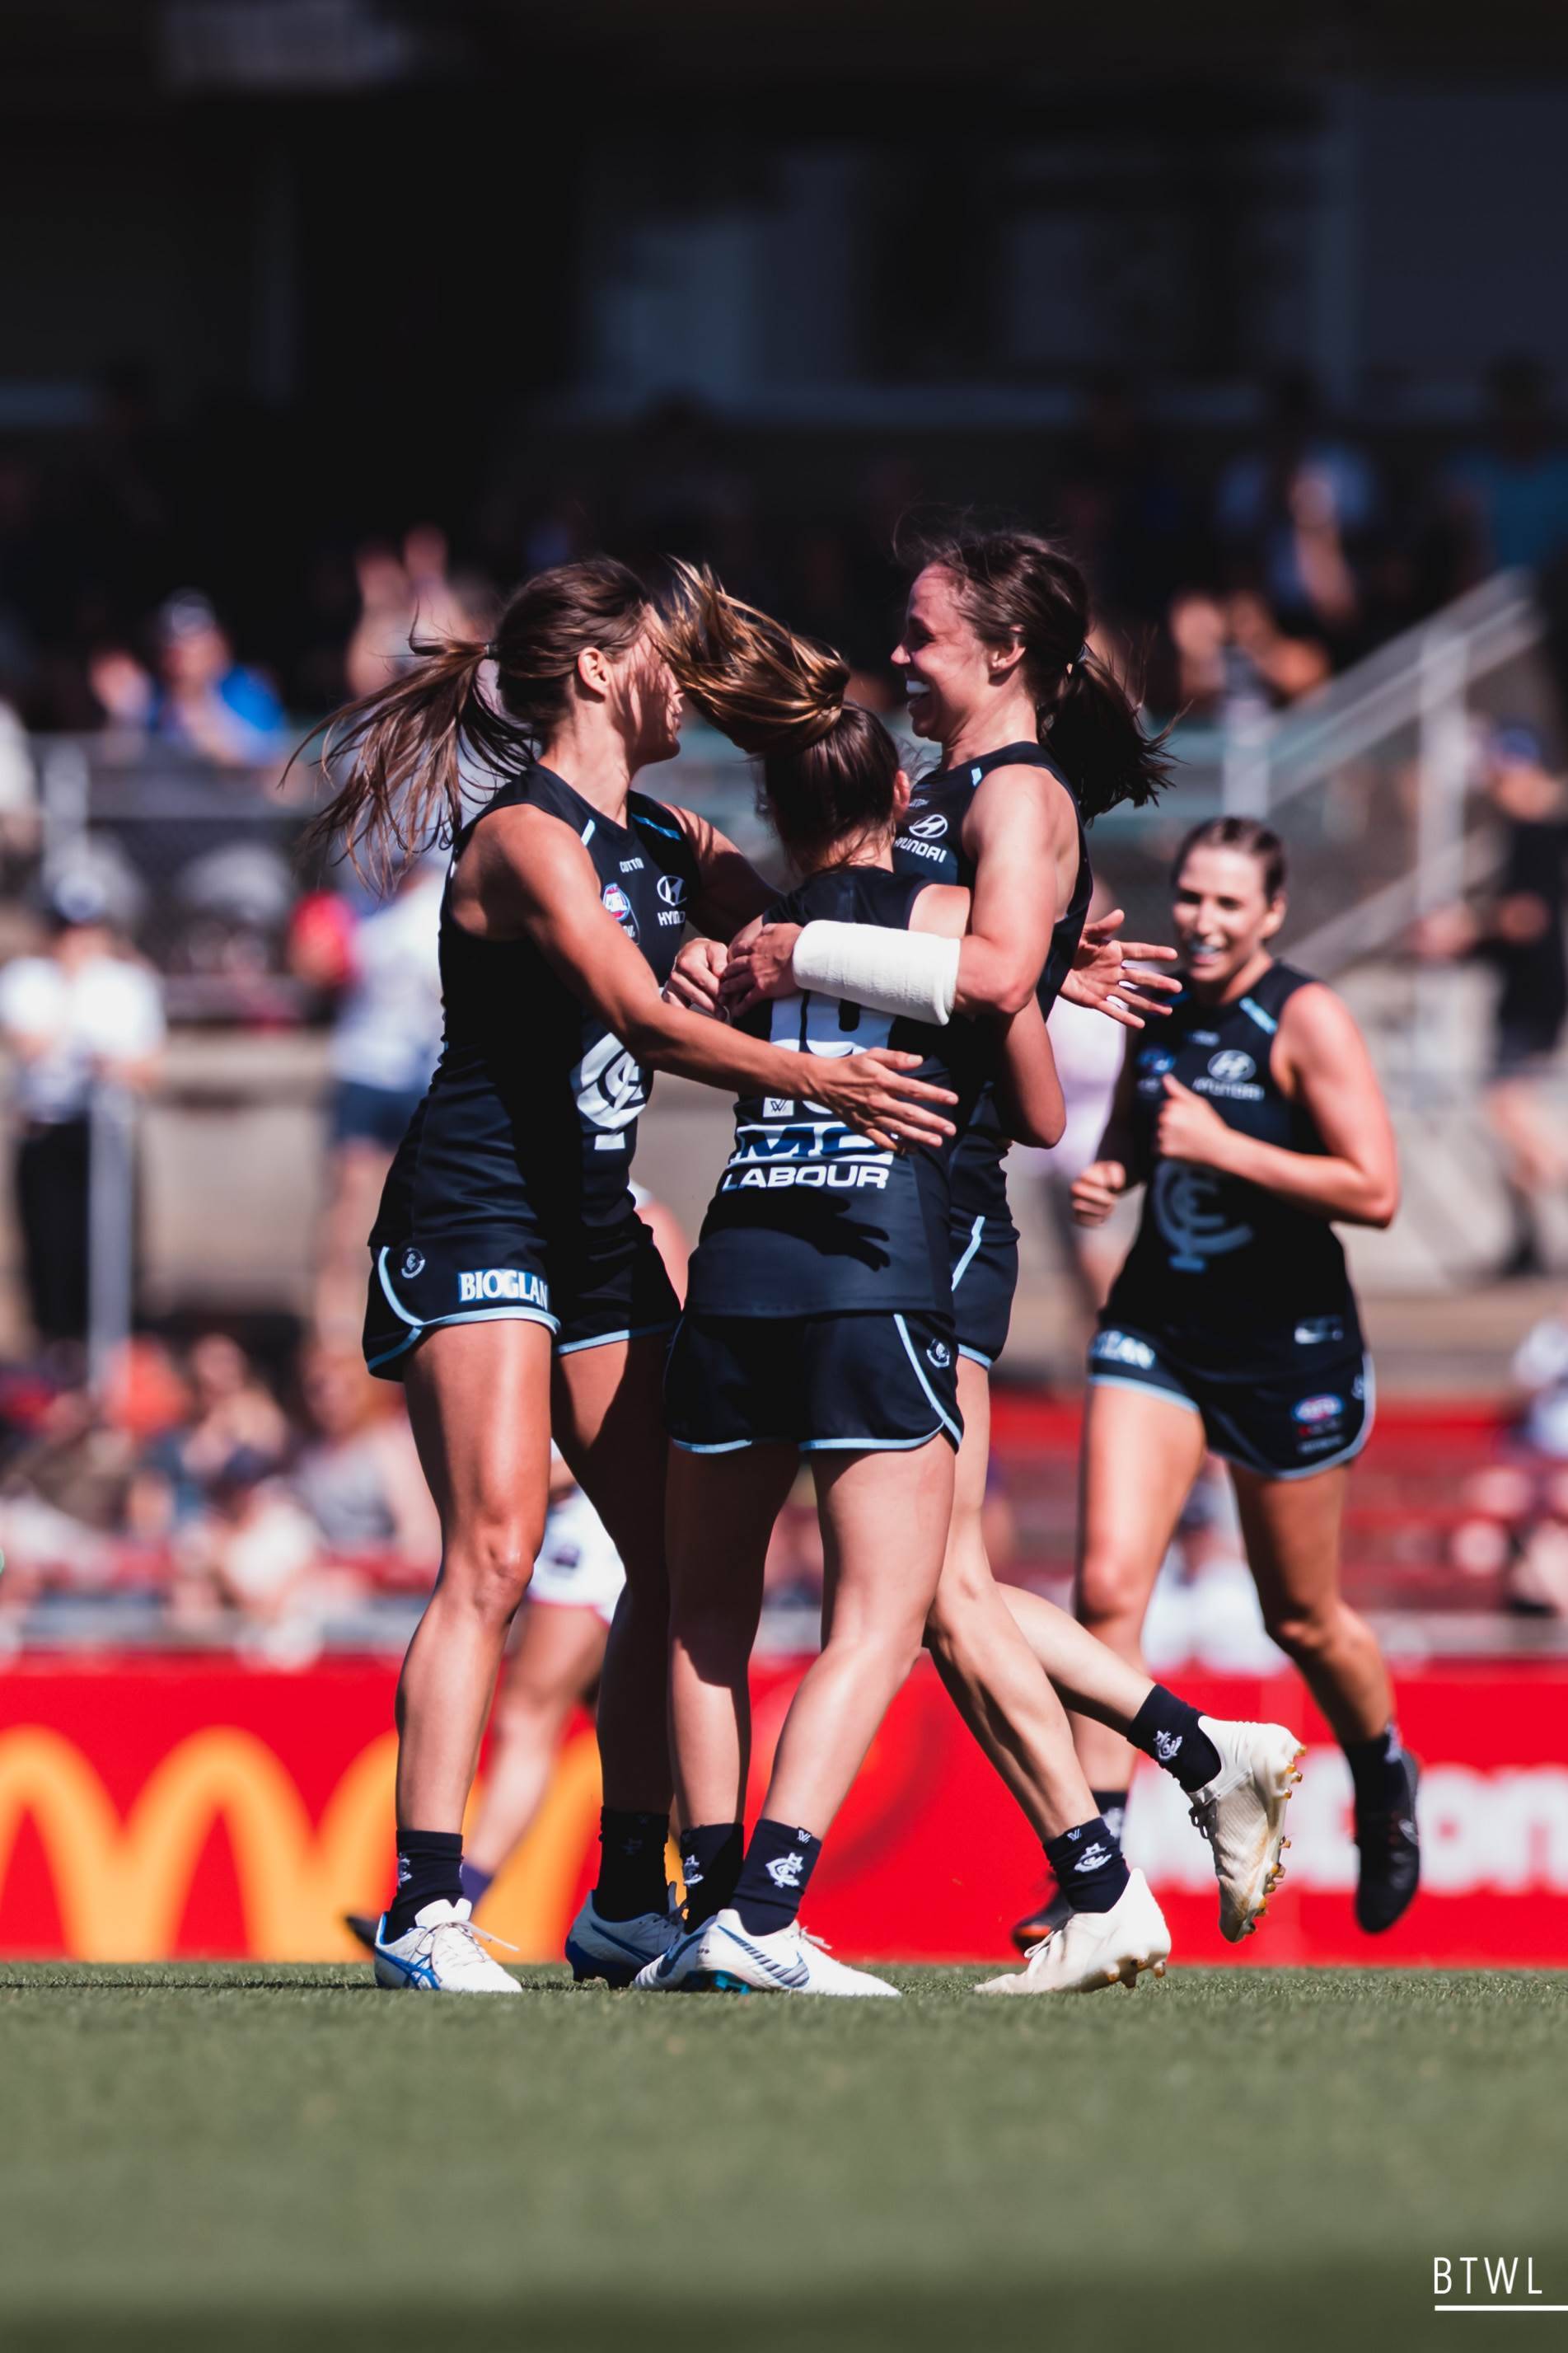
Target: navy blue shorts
{"points": [[607, 1284], [985, 1264], [379, 1116], [853, 1383], [1285, 1426]]}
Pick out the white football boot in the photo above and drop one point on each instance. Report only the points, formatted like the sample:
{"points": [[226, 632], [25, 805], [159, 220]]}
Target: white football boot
{"points": [[441, 1953], [617, 1949], [1091, 1949], [723, 1957], [1241, 1812]]}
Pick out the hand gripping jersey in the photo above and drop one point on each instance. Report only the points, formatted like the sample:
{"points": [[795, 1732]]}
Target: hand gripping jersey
{"points": [[530, 1119], [811, 1217], [1236, 1281], [929, 843]]}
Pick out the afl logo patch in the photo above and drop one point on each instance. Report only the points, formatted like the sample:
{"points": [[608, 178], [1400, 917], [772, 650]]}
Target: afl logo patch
{"points": [[1313, 1409], [1231, 1067], [617, 904], [929, 829]]}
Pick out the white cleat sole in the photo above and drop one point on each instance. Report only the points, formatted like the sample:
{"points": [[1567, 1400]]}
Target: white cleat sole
{"points": [[1280, 1773]]}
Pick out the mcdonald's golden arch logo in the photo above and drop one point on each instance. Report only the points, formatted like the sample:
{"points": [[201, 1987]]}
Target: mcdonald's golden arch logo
{"points": [[121, 1885]]}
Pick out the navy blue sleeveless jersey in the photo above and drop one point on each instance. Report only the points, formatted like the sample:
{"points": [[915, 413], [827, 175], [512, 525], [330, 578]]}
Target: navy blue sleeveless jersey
{"points": [[531, 1118], [1236, 1281], [930, 843], [811, 1217]]}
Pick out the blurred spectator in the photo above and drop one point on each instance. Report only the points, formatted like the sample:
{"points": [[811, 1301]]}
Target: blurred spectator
{"points": [[201, 697], [1220, 654], [1089, 1050], [1509, 496], [358, 1474], [1289, 511], [80, 1014], [387, 1034], [1520, 932], [232, 1417], [252, 1548]]}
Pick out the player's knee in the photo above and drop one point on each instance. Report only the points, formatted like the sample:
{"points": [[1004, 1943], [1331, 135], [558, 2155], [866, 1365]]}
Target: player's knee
{"points": [[491, 1561], [1110, 1592], [1302, 1634]]}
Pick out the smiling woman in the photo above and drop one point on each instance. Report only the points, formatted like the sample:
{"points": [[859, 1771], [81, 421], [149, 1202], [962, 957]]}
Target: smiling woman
{"points": [[1257, 1122]]}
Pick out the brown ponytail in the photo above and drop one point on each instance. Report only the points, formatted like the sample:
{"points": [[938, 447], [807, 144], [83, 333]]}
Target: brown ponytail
{"points": [[828, 766], [400, 749], [1018, 589]]}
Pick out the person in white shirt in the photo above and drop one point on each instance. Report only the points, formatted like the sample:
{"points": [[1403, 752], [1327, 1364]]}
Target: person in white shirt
{"points": [[386, 1037], [78, 1015]]}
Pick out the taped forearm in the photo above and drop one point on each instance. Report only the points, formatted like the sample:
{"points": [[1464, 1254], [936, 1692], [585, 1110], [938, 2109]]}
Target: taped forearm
{"points": [[912, 975]]}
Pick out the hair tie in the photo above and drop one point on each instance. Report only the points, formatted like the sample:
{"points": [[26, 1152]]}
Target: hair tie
{"points": [[492, 651], [1081, 656]]}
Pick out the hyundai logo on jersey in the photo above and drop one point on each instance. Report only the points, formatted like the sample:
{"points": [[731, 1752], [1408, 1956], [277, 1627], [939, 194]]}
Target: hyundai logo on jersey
{"points": [[1231, 1066], [617, 904], [930, 828], [672, 889]]}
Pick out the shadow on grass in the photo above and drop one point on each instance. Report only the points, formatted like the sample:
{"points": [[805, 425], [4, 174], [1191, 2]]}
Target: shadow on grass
{"points": [[1289, 2306]]}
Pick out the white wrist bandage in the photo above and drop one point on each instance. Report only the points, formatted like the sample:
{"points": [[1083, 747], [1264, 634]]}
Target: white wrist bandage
{"points": [[913, 974]]}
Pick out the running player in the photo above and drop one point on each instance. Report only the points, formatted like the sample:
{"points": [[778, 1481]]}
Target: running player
{"points": [[1256, 1121], [819, 1322], [513, 1283], [1038, 736]]}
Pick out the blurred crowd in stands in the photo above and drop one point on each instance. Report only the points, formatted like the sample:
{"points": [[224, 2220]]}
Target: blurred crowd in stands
{"points": [[197, 585]]}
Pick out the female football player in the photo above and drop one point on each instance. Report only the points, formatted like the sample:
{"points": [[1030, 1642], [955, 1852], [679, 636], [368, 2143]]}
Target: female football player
{"points": [[1255, 1124], [818, 1321], [512, 1284], [1037, 736]]}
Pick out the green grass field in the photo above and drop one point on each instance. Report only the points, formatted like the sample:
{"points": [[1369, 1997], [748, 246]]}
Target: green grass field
{"points": [[228, 2157]]}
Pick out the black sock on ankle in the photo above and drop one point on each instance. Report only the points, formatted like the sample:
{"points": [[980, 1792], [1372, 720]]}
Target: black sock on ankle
{"points": [[429, 1870], [1168, 1730], [779, 1862], [631, 1864], [711, 1865], [1113, 1804], [1378, 1769], [1089, 1866]]}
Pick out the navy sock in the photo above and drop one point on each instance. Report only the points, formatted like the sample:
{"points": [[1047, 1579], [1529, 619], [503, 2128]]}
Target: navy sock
{"points": [[1113, 1804], [779, 1862], [1089, 1866], [1377, 1768], [1168, 1730], [475, 1882], [711, 1865], [429, 1868], [631, 1864]]}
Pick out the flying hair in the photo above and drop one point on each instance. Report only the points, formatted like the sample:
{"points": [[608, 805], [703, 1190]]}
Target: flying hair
{"points": [[829, 768], [396, 756]]}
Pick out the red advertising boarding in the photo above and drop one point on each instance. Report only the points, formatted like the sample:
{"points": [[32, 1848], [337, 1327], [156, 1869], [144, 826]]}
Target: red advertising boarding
{"points": [[183, 1808]]}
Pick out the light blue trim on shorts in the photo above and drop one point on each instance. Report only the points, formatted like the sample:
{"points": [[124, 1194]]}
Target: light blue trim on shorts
{"points": [[815, 1445], [976, 1236], [1144, 1388], [932, 1398], [975, 1357], [602, 1339], [418, 1326]]}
